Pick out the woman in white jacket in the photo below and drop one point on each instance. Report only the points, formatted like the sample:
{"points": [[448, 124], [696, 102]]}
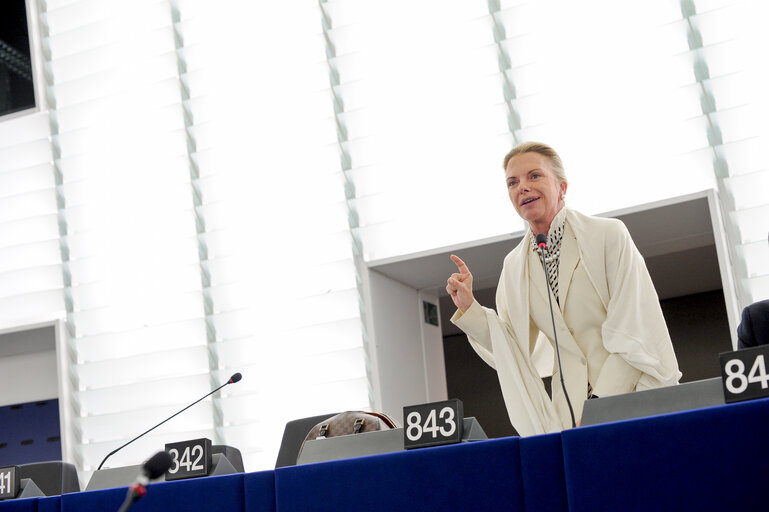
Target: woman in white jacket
{"points": [[611, 332]]}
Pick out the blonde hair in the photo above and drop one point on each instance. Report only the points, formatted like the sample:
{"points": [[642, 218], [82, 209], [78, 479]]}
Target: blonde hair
{"points": [[542, 149]]}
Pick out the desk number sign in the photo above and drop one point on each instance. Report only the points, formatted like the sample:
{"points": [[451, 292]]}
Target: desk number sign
{"points": [[433, 424], [189, 459], [744, 374], [9, 482]]}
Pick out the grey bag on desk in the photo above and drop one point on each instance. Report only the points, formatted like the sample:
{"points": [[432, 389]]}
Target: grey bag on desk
{"points": [[349, 423]]}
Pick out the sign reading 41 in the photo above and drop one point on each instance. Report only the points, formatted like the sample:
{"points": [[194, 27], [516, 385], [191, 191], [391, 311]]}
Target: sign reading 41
{"points": [[9, 482]]}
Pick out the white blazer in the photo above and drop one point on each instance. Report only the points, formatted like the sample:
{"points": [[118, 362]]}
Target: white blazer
{"points": [[611, 331]]}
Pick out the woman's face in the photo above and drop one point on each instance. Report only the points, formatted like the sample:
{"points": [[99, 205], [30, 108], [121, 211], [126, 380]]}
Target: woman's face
{"points": [[534, 190]]}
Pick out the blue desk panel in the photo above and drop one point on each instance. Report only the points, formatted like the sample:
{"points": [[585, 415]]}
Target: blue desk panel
{"points": [[221, 493], [477, 476], [49, 504], [26, 505], [706, 459], [544, 480], [259, 491]]}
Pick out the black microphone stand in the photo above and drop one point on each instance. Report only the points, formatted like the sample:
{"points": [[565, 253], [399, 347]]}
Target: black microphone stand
{"points": [[233, 379], [542, 243], [135, 492]]}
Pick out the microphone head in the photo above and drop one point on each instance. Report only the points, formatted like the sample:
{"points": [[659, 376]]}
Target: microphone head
{"points": [[157, 465], [542, 240], [235, 378]]}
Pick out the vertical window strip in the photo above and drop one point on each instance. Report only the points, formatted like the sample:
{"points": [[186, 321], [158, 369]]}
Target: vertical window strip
{"points": [[72, 435], [277, 228], [125, 220], [349, 184], [505, 68], [735, 219], [200, 223], [428, 117]]}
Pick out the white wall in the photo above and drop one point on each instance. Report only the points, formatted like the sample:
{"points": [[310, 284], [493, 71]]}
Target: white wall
{"points": [[432, 348], [408, 353], [28, 361], [33, 377]]}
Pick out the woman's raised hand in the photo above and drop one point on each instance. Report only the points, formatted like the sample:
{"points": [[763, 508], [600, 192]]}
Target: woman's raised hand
{"points": [[460, 285]]}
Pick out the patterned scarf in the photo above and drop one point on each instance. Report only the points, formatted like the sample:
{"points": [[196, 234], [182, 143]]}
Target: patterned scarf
{"points": [[553, 251]]}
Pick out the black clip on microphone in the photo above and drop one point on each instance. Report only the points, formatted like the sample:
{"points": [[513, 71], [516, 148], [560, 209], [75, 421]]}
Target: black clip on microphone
{"points": [[542, 243], [153, 468]]}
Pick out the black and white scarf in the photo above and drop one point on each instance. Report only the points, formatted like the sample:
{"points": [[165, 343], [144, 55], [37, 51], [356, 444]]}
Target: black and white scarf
{"points": [[553, 250]]}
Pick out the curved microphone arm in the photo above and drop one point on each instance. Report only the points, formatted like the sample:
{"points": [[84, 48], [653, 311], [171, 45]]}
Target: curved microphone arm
{"points": [[235, 378]]}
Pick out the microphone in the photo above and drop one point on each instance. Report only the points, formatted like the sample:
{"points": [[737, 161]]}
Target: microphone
{"points": [[542, 244], [153, 468], [235, 378]]}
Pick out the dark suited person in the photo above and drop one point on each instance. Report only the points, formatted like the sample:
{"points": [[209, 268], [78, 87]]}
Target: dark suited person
{"points": [[754, 326]]}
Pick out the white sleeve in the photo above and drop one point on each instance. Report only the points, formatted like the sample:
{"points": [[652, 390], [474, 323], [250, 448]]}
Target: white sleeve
{"points": [[635, 328]]}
